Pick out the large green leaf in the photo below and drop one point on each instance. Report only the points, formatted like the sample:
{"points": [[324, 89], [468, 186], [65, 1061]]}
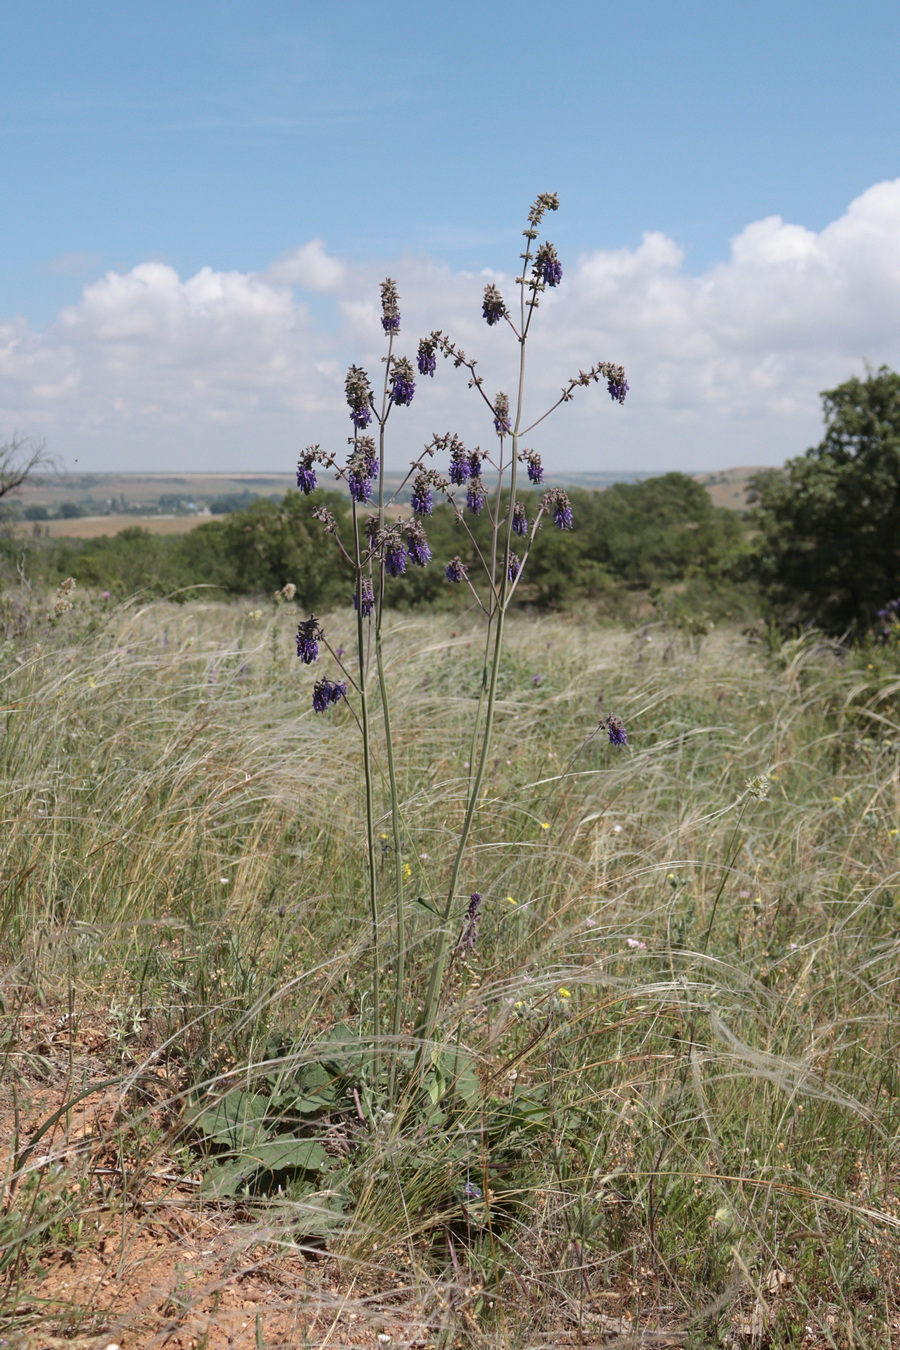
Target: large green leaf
{"points": [[265, 1167], [236, 1122]]}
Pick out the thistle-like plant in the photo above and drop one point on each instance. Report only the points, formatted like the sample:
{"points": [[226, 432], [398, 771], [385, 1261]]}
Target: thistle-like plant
{"points": [[382, 546]]}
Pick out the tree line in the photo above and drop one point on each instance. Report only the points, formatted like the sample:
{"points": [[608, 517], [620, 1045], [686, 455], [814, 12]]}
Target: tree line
{"points": [[820, 544]]}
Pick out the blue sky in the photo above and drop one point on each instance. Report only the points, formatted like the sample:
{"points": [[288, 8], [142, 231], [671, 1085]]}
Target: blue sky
{"points": [[226, 136]]}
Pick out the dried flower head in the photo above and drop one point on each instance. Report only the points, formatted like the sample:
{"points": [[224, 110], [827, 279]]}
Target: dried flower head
{"points": [[456, 570], [373, 528], [287, 592], [758, 787], [359, 397], [326, 693], [546, 201], [62, 604], [390, 312], [308, 634], [469, 936], [403, 384], [501, 415], [426, 360], [493, 307], [306, 474]]}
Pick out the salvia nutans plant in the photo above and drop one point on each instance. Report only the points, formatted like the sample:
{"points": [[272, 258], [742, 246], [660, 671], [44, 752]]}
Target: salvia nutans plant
{"points": [[382, 546]]}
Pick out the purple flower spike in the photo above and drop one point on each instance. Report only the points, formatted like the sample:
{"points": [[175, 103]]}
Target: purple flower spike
{"points": [[426, 361], [547, 266], [417, 548], [535, 467], [403, 384], [614, 728], [493, 308], [513, 566], [360, 488], [359, 397], [557, 501], [520, 520], [455, 570], [475, 496], [364, 597], [617, 390], [502, 424], [422, 498], [390, 314], [306, 474], [326, 693], [394, 554], [308, 634]]}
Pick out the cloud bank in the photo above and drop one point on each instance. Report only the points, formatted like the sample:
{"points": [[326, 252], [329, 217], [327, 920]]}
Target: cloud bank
{"points": [[236, 371]]}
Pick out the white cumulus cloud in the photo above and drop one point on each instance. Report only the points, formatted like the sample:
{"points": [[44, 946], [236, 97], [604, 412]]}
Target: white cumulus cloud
{"points": [[239, 370]]}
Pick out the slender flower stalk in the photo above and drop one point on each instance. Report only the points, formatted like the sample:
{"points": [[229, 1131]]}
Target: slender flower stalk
{"points": [[389, 543]]}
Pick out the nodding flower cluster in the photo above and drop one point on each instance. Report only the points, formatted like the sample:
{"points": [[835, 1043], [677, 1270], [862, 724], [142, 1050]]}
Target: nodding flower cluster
{"points": [[468, 938], [427, 361], [456, 570], [493, 307], [306, 474], [547, 267], [614, 728], [393, 552], [417, 549], [502, 424], [422, 496], [362, 467], [359, 397], [309, 632], [326, 693], [890, 618], [403, 384], [532, 461], [390, 313], [364, 597], [557, 501]]}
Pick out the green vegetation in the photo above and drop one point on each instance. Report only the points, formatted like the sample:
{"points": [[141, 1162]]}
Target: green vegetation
{"points": [[629, 540], [668, 1096], [829, 547]]}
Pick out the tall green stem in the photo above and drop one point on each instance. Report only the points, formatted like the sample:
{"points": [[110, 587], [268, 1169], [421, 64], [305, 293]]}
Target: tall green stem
{"points": [[370, 805], [428, 1015]]}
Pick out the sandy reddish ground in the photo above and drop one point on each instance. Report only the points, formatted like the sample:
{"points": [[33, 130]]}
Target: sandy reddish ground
{"points": [[156, 1268]]}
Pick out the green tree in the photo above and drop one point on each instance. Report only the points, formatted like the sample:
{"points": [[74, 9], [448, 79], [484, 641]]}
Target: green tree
{"points": [[828, 550]]}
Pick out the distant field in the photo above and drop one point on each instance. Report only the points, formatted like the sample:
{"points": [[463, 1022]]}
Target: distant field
{"points": [[95, 492], [92, 527]]}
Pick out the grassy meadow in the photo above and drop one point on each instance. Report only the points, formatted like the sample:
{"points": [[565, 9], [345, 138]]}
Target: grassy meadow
{"points": [[667, 1105]]}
